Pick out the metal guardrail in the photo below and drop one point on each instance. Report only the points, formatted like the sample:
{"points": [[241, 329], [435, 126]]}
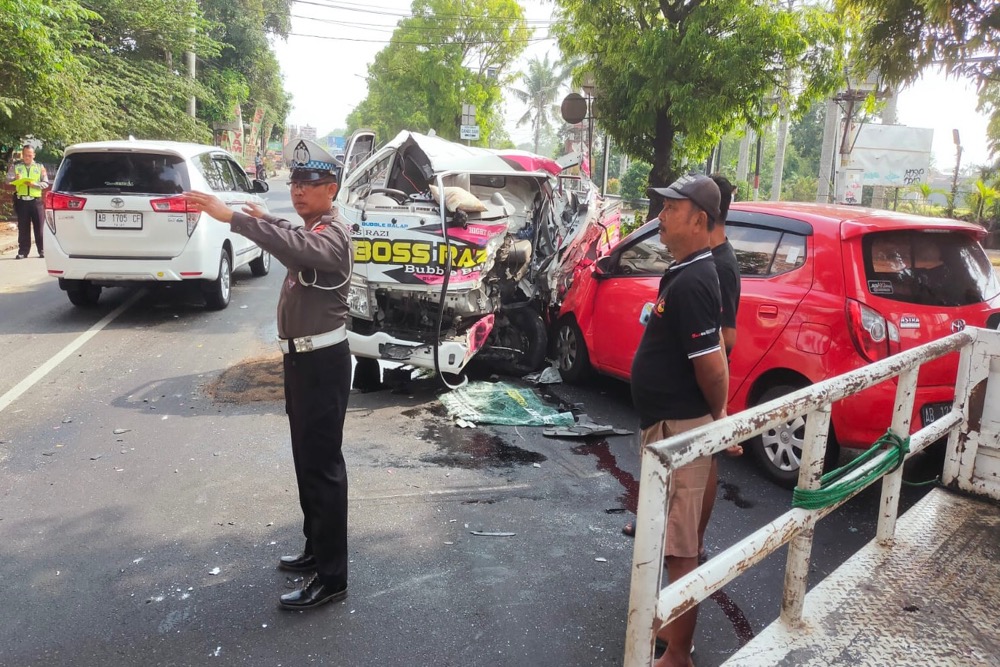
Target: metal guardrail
{"points": [[650, 606]]}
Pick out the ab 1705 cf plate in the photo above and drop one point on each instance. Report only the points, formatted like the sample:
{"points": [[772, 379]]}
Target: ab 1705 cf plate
{"points": [[116, 220]]}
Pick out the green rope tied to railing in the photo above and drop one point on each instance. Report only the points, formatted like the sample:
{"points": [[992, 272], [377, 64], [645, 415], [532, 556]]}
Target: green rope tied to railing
{"points": [[833, 485]]}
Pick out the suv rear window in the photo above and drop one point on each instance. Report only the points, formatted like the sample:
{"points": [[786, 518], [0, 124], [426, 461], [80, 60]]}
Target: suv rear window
{"points": [[928, 268], [122, 173]]}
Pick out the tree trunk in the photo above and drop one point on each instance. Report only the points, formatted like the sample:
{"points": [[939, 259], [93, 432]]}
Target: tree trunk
{"points": [[743, 161], [662, 173], [779, 152]]}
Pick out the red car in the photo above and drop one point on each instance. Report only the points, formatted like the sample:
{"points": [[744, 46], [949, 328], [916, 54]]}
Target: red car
{"points": [[825, 290]]}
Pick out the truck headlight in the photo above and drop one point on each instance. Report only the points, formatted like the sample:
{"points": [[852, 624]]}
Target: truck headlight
{"points": [[359, 301]]}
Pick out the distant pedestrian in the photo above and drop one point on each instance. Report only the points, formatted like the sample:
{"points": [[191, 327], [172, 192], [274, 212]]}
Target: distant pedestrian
{"points": [[680, 380], [29, 180], [258, 165], [312, 316]]}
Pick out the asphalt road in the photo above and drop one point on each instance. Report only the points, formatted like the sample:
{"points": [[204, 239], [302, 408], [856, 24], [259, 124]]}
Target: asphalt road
{"points": [[142, 513]]}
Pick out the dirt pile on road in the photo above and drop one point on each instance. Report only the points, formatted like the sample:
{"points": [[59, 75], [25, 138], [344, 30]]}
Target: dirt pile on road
{"points": [[251, 381]]}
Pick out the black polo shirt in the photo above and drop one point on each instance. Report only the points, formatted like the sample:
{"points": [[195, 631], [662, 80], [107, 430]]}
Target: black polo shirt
{"points": [[729, 281], [684, 325]]}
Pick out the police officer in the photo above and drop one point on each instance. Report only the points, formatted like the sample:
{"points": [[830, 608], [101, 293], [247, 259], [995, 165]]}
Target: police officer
{"points": [[28, 179], [312, 313]]}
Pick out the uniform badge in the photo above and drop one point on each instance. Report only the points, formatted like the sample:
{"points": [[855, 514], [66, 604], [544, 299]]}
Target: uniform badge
{"points": [[300, 155]]}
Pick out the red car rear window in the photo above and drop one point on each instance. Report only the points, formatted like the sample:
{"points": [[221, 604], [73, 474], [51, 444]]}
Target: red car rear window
{"points": [[928, 268]]}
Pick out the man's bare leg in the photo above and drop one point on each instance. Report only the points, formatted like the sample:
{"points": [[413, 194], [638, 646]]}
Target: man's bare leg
{"points": [[680, 634], [707, 504]]}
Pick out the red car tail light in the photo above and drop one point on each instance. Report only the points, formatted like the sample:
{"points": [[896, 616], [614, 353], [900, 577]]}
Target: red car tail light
{"points": [[873, 336], [171, 205], [178, 205], [56, 201]]}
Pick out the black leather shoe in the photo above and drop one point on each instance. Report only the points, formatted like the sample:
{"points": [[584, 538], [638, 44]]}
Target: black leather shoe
{"points": [[300, 563], [313, 594]]}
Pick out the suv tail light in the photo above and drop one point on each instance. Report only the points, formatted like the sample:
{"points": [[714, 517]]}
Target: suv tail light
{"points": [[57, 201], [178, 205], [873, 336]]}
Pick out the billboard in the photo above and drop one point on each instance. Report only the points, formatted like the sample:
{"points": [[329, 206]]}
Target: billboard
{"points": [[892, 155]]}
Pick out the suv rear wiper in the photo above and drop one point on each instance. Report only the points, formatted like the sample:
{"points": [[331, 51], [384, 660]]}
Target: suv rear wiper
{"points": [[99, 191]]}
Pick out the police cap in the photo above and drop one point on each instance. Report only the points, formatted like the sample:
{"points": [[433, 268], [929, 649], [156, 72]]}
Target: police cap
{"points": [[310, 162]]}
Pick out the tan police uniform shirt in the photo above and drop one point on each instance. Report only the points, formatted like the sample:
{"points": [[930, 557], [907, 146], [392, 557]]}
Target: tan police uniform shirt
{"points": [[321, 254]]}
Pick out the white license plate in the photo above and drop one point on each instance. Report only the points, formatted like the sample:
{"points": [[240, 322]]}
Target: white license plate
{"points": [[357, 302], [113, 220]]}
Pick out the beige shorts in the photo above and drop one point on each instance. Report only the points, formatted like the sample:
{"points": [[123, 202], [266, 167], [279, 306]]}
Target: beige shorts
{"points": [[686, 490]]}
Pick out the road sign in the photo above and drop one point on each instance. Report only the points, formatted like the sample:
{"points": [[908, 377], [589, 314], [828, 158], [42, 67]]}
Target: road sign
{"points": [[469, 132]]}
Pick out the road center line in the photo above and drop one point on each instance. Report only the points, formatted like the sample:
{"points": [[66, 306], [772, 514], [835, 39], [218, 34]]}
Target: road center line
{"points": [[43, 370]]}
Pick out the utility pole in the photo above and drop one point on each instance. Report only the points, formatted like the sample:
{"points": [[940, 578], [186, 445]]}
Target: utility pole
{"points": [[826, 159], [192, 102], [954, 179]]}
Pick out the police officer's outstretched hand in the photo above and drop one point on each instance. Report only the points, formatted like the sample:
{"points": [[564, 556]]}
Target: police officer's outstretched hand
{"points": [[254, 210], [210, 204]]}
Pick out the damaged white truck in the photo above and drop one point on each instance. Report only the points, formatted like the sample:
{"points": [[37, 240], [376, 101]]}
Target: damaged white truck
{"points": [[434, 285]]}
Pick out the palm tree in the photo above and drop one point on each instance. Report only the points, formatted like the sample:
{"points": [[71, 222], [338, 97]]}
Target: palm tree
{"points": [[542, 82], [981, 200]]}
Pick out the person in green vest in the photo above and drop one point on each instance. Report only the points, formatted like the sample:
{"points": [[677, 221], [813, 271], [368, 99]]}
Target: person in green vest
{"points": [[28, 179]]}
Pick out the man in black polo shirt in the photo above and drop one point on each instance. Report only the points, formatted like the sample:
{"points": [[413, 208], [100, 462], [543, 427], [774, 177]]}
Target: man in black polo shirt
{"points": [[680, 379]]}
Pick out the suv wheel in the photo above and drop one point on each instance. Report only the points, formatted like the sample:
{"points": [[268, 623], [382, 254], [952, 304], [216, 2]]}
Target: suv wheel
{"points": [[261, 265], [83, 294], [571, 351], [219, 291], [778, 451]]}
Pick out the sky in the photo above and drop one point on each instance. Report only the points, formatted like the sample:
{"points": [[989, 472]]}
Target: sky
{"points": [[325, 62]]}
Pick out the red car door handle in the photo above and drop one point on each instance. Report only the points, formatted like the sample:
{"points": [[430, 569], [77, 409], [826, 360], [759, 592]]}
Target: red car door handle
{"points": [[767, 312]]}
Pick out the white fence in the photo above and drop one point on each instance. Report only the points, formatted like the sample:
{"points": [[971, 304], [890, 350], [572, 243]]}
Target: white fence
{"points": [[972, 464]]}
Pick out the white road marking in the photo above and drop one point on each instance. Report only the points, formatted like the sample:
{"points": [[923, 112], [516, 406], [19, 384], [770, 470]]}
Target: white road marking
{"points": [[43, 370]]}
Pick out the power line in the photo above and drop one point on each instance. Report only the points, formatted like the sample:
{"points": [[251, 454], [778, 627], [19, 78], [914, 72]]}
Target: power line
{"points": [[385, 26], [386, 11], [412, 43]]}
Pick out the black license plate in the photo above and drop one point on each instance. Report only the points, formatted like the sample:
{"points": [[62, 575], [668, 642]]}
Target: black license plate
{"points": [[934, 411]]}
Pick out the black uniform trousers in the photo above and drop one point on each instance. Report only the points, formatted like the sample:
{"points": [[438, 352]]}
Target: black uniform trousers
{"points": [[29, 217], [317, 387]]}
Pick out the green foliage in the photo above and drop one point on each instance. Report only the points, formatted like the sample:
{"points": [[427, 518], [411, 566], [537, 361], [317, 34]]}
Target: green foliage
{"points": [[673, 77], [614, 186], [800, 187], [635, 180], [39, 40], [246, 68], [449, 53], [103, 69], [633, 223], [982, 200]]}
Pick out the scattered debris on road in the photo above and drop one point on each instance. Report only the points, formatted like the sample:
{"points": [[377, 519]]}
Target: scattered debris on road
{"points": [[502, 403]]}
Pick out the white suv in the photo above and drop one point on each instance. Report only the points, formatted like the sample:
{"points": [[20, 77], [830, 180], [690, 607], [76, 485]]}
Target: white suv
{"points": [[115, 216]]}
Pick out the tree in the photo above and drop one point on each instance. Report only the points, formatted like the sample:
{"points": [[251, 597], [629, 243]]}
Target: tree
{"points": [[449, 53], [246, 70], [672, 77], [542, 83], [633, 181], [99, 69], [39, 42]]}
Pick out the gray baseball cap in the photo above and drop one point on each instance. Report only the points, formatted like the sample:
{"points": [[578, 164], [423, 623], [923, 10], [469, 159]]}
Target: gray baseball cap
{"points": [[700, 189]]}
